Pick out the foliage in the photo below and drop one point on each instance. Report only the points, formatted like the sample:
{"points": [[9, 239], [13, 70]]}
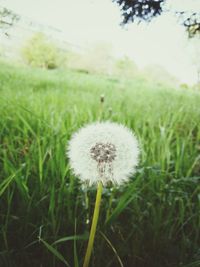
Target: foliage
{"points": [[142, 10], [146, 10], [153, 221], [7, 19], [39, 51], [191, 21]]}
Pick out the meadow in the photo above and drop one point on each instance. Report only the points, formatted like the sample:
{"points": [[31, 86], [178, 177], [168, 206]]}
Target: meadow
{"points": [[45, 213]]}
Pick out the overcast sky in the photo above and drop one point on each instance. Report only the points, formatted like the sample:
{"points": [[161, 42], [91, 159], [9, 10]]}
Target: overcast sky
{"points": [[85, 22]]}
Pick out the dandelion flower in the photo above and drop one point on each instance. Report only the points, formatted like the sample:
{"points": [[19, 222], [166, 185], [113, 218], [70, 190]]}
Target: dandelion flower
{"points": [[103, 152], [100, 153]]}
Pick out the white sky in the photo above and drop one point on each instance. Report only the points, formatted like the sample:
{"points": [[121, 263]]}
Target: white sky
{"points": [[84, 22]]}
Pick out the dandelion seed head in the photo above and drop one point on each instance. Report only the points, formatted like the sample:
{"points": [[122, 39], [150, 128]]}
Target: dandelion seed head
{"points": [[103, 151]]}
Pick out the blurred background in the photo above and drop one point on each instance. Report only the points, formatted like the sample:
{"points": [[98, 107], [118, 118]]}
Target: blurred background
{"points": [[88, 35]]}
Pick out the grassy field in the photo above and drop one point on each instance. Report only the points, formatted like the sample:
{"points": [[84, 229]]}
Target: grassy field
{"points": [[153, 221]]}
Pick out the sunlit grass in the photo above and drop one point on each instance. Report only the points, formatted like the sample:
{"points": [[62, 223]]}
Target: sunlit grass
{"points": [[45, 214]]}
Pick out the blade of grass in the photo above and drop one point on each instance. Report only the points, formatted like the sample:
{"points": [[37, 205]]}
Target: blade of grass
{"points": [[122, 204], [113, 249], [55, 252], [6, 182], [70, 238]]}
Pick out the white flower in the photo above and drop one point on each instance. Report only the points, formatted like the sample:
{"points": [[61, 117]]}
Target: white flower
{"points": [[103, 151]]}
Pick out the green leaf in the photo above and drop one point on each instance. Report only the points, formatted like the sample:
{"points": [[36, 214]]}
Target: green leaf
{"points": [[5, 183], [55, 252], [74, 237], [122, 204], [113, 249]]}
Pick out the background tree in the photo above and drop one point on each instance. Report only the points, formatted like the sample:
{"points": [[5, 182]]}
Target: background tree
{"points": [[146, 10], [7, 19], [40, 51]]}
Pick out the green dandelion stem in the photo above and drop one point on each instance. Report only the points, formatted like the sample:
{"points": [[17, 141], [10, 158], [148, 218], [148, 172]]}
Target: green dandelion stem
{"points": [[94, 225]]}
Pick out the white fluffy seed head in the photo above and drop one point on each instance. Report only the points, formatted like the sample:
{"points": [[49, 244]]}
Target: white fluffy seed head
{"points": [[103, 151]]}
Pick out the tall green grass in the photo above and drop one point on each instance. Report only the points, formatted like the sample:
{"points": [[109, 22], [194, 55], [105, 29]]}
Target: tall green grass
{"points": [[45, 213]]}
